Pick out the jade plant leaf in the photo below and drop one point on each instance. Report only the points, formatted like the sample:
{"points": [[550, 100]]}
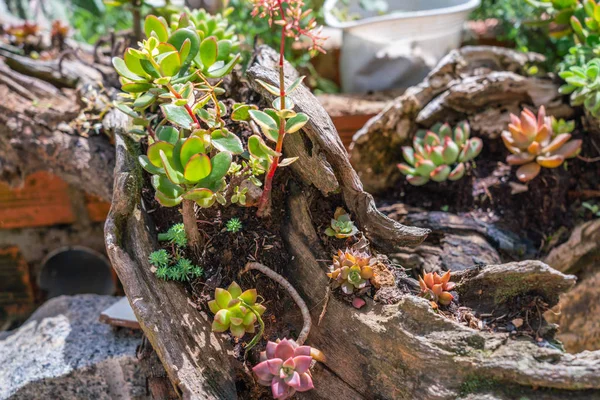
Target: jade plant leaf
{"points": [[226, 142], [177, 115], [149, 167], [154, 24], [162, 184], [125, 72], [178, 39], [155, 149], [190, 147], [208, 51], [173, 174], [197, 168], [203, 197], [168, 134], [166, 201], [219, 70]]}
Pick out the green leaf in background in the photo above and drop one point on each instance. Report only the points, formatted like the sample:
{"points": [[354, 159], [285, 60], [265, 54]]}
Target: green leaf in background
{"points": [[208, 51], [153, 24]]}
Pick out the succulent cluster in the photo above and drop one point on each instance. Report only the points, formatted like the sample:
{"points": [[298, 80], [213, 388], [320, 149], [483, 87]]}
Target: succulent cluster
{"points": [[437, 288], [182, 167], [439, 154], [234, 225], [533, 143], [174, 266], [351, 270], [341, 225], [583, 86], [235, 310], [285, 368]]}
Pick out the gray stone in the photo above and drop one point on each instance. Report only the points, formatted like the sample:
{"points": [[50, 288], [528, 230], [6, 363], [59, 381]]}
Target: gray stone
{"points": [[64, 352]]}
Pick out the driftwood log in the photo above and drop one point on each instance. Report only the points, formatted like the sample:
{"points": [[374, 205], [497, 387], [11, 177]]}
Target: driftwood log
{"points": [[41, 125], [480, 84], [397, 351]]}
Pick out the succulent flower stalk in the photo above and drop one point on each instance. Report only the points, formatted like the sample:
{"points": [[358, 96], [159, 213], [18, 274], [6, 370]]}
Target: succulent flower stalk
{"points": [[351, 270], [534, 145], [341, 225], [235, 310], [437, 288], [439, 154], [285, 367]]}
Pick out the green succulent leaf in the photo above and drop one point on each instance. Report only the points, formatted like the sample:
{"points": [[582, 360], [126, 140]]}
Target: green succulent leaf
{"points": [[289, 104], [134, 65], [274, 90], [136, 87], [190, 147], [149, 167], [190, 51], [155, 149], [296, 123], [126, 109], [223, 140], [203, 197], [122, 70], [208, 51], [154, 24], [173, 174], [162, 184], [198, 167], [258, 148], [168, 134], [177, 115], [241, 111], [219, 70], [167, 201], [294, 85]]}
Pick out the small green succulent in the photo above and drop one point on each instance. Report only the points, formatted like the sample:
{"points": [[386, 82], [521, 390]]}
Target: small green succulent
{"points": [[583, 86], [160, 258], [439, 154], [234, 225], [175, 235], [341, 225], [235, 310]]}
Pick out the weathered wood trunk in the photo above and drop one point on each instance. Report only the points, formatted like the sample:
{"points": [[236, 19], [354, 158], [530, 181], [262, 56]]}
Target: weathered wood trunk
{"points": [[399, 351]]}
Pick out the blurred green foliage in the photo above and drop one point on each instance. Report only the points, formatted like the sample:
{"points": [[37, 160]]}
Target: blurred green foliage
{"points": [[90, 25], [519, 22]]}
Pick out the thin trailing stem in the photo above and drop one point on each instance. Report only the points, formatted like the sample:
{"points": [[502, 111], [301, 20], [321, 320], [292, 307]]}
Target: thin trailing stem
{"points": [[187, 106], [292, 292], [261, 330]]}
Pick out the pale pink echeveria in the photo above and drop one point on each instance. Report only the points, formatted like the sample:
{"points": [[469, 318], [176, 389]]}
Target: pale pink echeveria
{"points": [[285, 367]]}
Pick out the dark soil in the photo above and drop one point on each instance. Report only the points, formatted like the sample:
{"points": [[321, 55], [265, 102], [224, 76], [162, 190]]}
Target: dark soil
{"points": [[544, 211]]}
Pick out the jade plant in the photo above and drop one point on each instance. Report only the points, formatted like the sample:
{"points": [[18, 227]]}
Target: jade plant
{"points": [[534, 144], [439, 154], [351, 270], [171, 86], [280, 120], [174, 266], [341, 225], [237, 312], [437, 288], [285, 368]]}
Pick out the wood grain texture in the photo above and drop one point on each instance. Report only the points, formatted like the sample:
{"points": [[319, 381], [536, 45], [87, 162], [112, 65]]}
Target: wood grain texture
{"points": [[197, 361]]}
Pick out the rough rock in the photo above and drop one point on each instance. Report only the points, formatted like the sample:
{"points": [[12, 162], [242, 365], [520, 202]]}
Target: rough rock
{"points": [[63, 352]]}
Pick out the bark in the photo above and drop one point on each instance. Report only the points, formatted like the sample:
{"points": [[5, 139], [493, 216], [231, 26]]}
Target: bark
{"points": [[403, 350], [479, 84], [39, 129]]}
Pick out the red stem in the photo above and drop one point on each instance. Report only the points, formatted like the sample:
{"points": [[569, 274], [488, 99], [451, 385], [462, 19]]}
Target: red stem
{"points": [[187, 106], [264, 204]]}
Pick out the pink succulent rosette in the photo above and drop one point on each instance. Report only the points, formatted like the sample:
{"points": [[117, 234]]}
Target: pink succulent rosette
{"points": [[284, 366]]}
